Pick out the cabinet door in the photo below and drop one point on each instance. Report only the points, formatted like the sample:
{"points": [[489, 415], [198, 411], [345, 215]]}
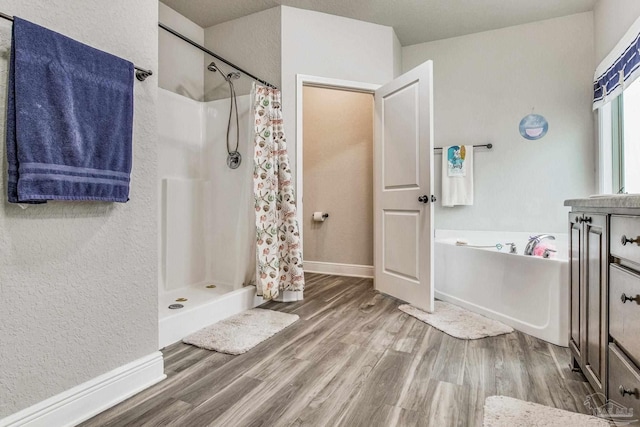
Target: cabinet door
{"points": [[595, 250], [575, 274]]}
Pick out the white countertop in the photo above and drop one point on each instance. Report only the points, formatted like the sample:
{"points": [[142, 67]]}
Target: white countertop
{"points": [[606, 201]]}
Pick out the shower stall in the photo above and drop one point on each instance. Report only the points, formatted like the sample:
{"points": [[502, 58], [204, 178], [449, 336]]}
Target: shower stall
{"points": [[207, 259], [207, 255]]}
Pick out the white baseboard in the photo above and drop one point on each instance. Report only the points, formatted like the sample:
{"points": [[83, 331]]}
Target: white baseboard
{"points": [[337, 269], [86, 400]]}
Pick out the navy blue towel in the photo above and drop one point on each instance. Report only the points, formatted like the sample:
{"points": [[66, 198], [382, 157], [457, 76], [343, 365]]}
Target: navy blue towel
{"points": [[69, 119]]}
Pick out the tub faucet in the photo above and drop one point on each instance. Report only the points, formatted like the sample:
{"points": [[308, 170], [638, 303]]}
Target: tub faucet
{"points": [[513, 249], [534, 241]]}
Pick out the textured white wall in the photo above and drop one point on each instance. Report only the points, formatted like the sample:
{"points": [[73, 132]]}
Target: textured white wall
{"points": [[612, 19], [397, 56], [78, 281], [325, 45], [483, 85], [252, 43], [180, 64]]}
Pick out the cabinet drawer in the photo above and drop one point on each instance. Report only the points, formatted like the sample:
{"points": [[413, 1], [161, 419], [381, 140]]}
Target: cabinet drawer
{"points": [[624, 309], [625, 237], [624, 380]]}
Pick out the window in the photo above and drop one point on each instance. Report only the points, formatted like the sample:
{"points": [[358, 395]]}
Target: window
{"points": [[630, 142], [620, 143]]}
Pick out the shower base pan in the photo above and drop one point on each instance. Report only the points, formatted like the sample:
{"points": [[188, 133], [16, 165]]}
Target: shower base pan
{"points": [[202, 307]]}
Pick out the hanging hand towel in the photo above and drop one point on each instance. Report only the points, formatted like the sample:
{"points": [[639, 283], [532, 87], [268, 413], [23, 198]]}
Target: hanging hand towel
{"points": [[457, 175], [69, 119]]}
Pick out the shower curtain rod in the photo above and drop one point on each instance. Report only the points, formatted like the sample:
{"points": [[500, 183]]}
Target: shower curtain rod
{"points": [[141, 73], [218, 57]]}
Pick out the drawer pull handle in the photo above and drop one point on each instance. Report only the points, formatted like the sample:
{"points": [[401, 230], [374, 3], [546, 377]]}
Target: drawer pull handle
{"points": [[586, 219], [624, 298], [623, 391], [624, 240]]}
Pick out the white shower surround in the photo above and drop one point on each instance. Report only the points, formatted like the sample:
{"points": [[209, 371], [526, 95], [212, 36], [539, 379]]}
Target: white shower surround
{"points": [[207, 220], [525, 292]]}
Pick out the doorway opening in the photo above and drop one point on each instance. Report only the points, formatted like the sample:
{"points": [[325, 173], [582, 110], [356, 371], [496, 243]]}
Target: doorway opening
{"points": [[402, 182], [335, 175]]}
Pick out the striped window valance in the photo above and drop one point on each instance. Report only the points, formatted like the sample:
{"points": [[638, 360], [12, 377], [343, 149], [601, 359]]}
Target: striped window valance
{"points": [[619, 69]]}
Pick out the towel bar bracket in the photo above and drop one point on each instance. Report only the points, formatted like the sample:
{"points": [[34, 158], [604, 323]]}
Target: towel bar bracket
{"points": [[142, 74]]}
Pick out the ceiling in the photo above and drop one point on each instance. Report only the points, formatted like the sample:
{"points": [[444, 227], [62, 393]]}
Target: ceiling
{"points": [[415, 21]]}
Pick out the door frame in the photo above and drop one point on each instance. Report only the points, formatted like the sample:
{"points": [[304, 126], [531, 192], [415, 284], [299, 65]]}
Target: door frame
{"points": [[324, 82]]}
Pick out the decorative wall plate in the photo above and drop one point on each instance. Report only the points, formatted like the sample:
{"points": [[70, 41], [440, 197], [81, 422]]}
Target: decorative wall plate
{"points": [[533, 126]]}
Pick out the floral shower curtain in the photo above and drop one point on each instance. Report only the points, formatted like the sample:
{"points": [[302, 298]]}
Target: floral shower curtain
{"points": [[279, 256]]}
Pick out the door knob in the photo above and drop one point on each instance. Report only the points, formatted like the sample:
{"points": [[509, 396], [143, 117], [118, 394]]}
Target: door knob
{"points": [[423, 199]]}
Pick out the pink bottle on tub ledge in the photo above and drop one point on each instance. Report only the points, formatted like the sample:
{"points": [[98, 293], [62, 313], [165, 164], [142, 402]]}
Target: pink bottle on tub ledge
{"points": [[545, 251]]}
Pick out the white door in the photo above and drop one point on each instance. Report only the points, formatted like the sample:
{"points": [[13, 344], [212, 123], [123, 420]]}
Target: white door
{"points": [[403, 187]]}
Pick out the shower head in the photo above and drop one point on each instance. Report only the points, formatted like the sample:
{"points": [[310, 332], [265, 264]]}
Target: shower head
{"points": [[231, 76]]}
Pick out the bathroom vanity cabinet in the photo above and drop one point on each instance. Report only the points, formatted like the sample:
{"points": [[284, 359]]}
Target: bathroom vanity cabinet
{"points": [[604, 283], [588, 287]]}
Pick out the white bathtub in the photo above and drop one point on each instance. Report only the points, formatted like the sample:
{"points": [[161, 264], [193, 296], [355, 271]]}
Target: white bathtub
{"points": [[529, 293]]}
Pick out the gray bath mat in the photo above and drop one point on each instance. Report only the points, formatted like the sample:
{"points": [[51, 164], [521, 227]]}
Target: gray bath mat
{"points": [[502, 411], [458, 322], [241, 332]]}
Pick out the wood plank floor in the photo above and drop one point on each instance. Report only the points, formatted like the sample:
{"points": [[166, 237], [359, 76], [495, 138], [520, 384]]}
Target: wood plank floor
{"points": [[353, 359]]}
